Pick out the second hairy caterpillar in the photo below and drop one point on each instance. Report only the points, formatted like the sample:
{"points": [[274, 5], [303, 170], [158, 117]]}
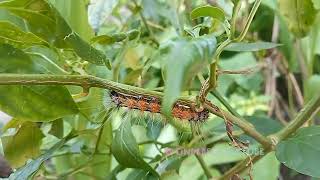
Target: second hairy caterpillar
{"points": [[182, 110]]}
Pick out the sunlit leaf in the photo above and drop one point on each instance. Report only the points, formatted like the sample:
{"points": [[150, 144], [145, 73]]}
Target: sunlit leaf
{"points": [[23, 145], [37, 103], [268, 162], [74, 12], [299, 15], [316, 4], [25, 172], [9, 33], [52, 23], [98, 11], [208, 11]]}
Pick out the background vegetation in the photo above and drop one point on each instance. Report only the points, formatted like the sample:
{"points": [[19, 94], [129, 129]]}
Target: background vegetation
{"points": [[260, 59]]}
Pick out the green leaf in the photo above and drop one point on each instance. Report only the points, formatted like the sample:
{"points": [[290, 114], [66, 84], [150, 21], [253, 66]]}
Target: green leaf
{"points": [[74, 12], [126, 151], [171, 163], [264, 124], [241, 61], [299, 15], [266, 168], [184, 58], [38, 24], [100, 10], [154, 130], [208, 11], [22, 145], [36, 60], [114, 172], [96, 111], [52, 23], [139, 174], [48, 60], [57, 128], [86, 51], [312, 87], [37, 104], [223, 153], [191, 169], [25, 172], [257, 46], [301, 151], [287, 39], [110, 39], [12, 34], [316, 4]]}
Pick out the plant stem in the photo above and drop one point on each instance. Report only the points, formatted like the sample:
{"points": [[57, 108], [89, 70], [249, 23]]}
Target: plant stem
{"points": [[146, 23], [225, 103], [204, 166], [249, 20], [86, 81], [241, 166], [235, 12], [213, 66], [302, 117], [242, 124]]}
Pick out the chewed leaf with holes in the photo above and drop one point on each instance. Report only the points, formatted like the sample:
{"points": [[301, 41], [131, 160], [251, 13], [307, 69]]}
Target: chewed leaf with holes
{"points": [[126, 151], [301, 151]]}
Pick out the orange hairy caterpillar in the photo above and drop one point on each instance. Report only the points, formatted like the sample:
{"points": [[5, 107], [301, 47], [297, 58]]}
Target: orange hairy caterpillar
{"points": [[182, 110]]}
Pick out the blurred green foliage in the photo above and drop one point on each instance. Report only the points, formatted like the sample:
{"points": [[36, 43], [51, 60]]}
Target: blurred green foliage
{"points": [[163, 45]]}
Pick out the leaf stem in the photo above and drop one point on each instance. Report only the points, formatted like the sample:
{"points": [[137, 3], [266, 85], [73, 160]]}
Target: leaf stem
{"points": [[146, 23], [235, 12], [249, 21], [213, 66], [225, 103], [204, 166]]}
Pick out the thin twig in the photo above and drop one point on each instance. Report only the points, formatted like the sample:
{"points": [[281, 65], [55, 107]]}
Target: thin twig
{"points": [[146, 23], [249, 70], [303, 116], [244, 125]]}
